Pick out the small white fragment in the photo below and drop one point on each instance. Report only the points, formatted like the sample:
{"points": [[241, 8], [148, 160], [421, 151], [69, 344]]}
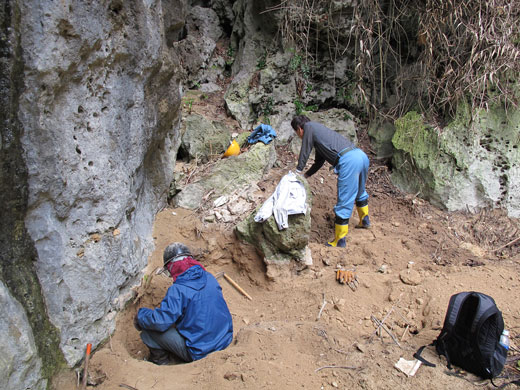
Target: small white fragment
{"points": [[409, 367], [221, 200]]}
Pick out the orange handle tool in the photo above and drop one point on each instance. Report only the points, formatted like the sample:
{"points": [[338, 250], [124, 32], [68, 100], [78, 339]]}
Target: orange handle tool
{"points": [[85, 370]]}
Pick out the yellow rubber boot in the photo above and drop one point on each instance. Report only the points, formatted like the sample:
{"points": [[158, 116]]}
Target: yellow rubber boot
{"points": [[340, 234], [364, 220]]}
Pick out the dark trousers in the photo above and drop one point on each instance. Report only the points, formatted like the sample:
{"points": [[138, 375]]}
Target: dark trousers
{"points": [[170, 341]]}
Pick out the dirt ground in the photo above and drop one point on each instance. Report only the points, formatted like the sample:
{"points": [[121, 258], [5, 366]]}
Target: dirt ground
{"points": [[305, 330]]}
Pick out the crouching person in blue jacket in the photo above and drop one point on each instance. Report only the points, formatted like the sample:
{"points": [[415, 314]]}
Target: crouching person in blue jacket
{"points": [[193, 319]]}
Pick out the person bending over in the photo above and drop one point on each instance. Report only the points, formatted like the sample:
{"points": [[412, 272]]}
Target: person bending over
{"points": [[350, 164]]}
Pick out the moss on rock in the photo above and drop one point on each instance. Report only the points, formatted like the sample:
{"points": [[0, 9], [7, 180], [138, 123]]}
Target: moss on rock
{"points": [[472, 162], [278, 246]]}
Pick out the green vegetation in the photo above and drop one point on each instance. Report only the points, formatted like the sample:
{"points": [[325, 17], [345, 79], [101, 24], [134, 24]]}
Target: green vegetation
{"points": [[429, 55], [188, 104], [267, 110], [262, 62], [230, 56], [344, 94], [295, 63], [301, 107]]}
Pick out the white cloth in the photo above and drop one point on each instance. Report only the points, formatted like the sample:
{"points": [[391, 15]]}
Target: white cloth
{"points": [[288, 198]]}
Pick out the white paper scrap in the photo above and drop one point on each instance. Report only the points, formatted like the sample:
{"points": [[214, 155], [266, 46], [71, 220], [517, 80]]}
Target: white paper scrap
{"points": [[409, 367]]}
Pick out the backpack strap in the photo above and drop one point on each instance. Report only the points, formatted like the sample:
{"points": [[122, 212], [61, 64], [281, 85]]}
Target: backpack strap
{"points": [[515, 382], [418, 356], [484, 316], [487, 307], [453, 311], [452, 314]]}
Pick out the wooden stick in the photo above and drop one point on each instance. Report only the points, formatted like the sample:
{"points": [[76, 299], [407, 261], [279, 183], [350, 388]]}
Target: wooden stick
{"points": [[509, 243], [127, 387], [234, 284], [405, 331], [322, 307], [380, 324], [346, 367], [85, 370], [383, 326]]}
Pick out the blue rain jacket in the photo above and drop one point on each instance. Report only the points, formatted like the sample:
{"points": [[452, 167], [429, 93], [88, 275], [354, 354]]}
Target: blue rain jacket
{"points": [[264, 133], [195, 305]]}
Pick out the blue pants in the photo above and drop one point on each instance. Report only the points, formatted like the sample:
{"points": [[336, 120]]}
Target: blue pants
{"points": [[170, 341], [352, 171]]}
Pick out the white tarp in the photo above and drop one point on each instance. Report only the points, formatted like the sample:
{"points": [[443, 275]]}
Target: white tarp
{"points": [[288, 198]]}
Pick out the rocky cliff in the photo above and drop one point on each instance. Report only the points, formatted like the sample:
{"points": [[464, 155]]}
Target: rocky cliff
{"points": [[90, 116]]}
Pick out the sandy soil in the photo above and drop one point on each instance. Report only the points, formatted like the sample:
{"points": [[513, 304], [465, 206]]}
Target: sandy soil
{"points": [[305, 330]]}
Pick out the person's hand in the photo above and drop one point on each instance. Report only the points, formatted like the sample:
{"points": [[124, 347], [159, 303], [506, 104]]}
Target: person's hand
{"points": [[136, 323]]}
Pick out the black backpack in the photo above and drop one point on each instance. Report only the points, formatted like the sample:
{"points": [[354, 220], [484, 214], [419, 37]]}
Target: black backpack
{"points": [[470, 336]]}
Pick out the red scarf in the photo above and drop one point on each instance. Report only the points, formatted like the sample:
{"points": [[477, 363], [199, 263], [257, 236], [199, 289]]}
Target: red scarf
{"points": [[178, 267]]}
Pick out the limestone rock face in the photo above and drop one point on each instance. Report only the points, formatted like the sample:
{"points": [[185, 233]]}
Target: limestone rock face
{"points": [[203, 30], [381, 133], [202, 137], [339, 120], [267, 83], [470, 164], [19, 365], [253, 32], [100, 113]]}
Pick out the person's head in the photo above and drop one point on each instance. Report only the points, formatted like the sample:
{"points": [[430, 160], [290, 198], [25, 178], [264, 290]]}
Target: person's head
{"points": [[297, 124], [173, 253]]}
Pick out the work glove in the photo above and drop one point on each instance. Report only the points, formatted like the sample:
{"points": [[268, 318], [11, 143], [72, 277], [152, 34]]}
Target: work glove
{"points": [[346, 277], [136, 323]]}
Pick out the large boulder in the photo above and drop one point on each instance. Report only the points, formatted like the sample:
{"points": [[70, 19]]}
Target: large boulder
{"points": [[279, 247], [469, 164], [227, 175], [202, 139], [381, 133]]}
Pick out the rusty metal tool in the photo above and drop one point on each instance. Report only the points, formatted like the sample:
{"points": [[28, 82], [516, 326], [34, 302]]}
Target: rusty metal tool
{"points": [[233, 283]]}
